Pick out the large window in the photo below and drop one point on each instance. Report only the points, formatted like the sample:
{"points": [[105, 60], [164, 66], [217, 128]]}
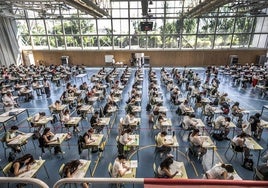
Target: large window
{"points": [[224, 27]]}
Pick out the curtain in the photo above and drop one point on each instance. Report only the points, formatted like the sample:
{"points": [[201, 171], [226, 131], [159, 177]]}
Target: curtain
{"points": [[9, 45]]}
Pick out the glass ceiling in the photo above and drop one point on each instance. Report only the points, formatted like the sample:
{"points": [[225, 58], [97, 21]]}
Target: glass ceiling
{"points": [[126, 24]]}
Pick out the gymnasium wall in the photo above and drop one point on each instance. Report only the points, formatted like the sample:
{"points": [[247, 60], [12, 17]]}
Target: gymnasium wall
{"points": [[157, 58]]}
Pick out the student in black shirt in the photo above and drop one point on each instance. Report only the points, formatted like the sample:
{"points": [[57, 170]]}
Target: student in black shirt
{"points": [[94, 122]]}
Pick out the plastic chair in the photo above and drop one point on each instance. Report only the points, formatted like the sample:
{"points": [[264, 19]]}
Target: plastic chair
{"points": [[155, 170], [62, 175], [6, 169], [5, 147], [258, 175], [61, 170], [110, 170], [235, 152]]}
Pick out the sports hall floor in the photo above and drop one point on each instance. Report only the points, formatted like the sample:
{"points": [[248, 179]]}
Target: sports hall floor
{"points": [[249, 99]]}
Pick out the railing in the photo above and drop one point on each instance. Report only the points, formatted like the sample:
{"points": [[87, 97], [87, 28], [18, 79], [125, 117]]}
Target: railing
{"points": [[147, 182], [160, 183], [33, 181]]}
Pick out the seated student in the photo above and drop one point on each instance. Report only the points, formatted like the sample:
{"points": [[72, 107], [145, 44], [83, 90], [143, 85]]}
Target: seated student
{"points": [[246, 128], [67, 117], [119, 166], [16, 166], [197, 143], [263, 169], [209, 111], [128, 120], [159, 121], [70, 169], [256, 126], [237, 111], [124, 138], [56, 105], [94, 122], [222, 123], [223, 99], [87, 139], [83, 86], [27, 92], [220, 171], [36, 118], [108, 106], [161, 143], [63, 97], [186, 109], [10, 135], [189, 122], [46, 138], [164, 169], [9, 101], [240, 146]]}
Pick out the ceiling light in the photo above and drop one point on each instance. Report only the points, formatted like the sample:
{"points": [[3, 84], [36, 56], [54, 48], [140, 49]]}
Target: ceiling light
{"points": [[149, 10], [150, 2]]}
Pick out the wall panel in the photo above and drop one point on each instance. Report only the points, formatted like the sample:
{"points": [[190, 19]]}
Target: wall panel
{"points": [[157, 58]]}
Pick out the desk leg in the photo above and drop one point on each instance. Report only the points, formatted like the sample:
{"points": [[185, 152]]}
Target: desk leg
{"points": [[27, 113], [259, 157], [262, 110], [177, 153], [46, 171], [213, 155], [4, 125]]}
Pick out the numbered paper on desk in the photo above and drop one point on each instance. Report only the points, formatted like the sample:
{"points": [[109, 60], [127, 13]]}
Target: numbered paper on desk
{"points": [[206, 144], [134, 164], [249, 144], [131, 142]]}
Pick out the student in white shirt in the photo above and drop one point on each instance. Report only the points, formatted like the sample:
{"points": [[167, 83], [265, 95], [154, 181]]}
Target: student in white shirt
{"points": [[9, 102], [119, 166]]}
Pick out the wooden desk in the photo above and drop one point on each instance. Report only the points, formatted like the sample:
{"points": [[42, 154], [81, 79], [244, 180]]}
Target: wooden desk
{"points": [[4, 120], [173, 143], [81, 76], [97, 142], [59, 138], [82, 169], [178, 166], [209, 144], [15, 112], [73, 122], [264, 107], [86, 109], [133, 164], [105, 122], [253, 145], [165, 124], [200, 124], [41, 122], [163, 109], [20, 140], [59, 109], [35, 167]]}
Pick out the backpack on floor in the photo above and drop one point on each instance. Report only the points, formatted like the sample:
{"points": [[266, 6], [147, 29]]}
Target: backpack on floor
{"points": [[248, 164], [148, 107], [217, 136]]}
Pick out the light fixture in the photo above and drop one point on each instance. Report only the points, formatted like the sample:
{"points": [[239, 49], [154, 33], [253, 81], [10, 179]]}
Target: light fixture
{"points": [[150, 2], [88, 6], [149, 10]]}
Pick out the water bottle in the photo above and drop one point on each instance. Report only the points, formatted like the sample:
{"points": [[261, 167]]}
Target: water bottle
{"points": [[39, 161]]}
